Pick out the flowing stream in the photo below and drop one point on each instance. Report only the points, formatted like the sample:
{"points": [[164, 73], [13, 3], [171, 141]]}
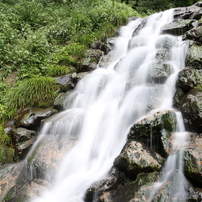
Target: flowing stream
{"points": [[106, 102]]}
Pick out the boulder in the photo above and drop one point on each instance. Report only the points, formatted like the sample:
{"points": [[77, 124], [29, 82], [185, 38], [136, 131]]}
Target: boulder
{"points": [[187, 12], [194, 55], [175, 189], [155, 130], [9, 174], [194, 34], [193, 160], [31, 118], [135, 158], [191, 108], [159, 72], [138, 190], [189, 78], [177, 27], [23, 134]]}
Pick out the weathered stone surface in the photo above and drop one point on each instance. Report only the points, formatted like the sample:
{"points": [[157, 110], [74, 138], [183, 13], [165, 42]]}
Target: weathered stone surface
{"points": [[178, 27], [138, 190], [189, 78], [186, 12], [193, 160], [45, 156], [100, 45], [9, 174], [194, 55], [194, 34], [191, 108], [135, 157], [59, 101], [23, 147], [160, 71], [155, 130], [31, 118], [176, 188], [22, 134], [32, 190]]}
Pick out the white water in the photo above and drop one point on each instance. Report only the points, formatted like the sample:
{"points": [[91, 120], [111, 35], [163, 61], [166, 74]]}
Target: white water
{"points": [[107, 102]]}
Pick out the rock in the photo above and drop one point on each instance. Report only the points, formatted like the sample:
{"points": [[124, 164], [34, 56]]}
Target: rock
{"points": [[66, 82], [91, 60], [101, 46], [193, 160], [186, 12], [32, 190], [45, 156], [159, 72], [31, 118], [189, 78], [194, 34], [178, 27], [22, 134], [138, 190], [191, 108], [135, 158], [177, 98], [176, 188], [165, 42], [24, 147], [59, 101], [155, 130], [194, 55], [9, 174]]}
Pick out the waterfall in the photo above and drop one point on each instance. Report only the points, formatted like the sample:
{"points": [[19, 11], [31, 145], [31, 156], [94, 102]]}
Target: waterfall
{"points": [[105, 103]]}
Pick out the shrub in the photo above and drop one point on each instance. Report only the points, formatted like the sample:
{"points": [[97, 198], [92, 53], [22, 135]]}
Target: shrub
{"points": [[33, 92]]}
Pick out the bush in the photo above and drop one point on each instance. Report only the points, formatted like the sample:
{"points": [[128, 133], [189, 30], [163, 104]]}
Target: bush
{"points": [[33, 92]]}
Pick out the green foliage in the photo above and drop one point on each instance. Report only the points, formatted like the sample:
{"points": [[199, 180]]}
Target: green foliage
{"points": [[57, 70], [32, 92], [6, 151]]}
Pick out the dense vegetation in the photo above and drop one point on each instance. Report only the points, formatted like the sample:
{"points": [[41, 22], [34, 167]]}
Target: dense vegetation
{"points": [[42, 39], [148, 7]]}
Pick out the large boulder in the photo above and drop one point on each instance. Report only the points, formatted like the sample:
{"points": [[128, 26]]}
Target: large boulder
{"points": [[194, 55], [159, 71], [191, 108], [178, 27], [155, 131], [188, 79], [9, 174], [135, 158], [194, 34], [31, 118], [193, 160]]}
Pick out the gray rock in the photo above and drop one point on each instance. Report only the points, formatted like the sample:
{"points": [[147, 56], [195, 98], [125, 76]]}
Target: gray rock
{"points": [[9, 174], [191, 108], [193, 160], [194, 55], [178, 27], [155, 131], [160, 71], [135, 157], [31, 118], [22, 134]]}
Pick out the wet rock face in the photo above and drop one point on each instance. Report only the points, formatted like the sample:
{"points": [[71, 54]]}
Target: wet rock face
{"points": [[135, 158], [178, 27], [31, 118], [193, 160], [191, 108], [155, 131], [194, 55]]}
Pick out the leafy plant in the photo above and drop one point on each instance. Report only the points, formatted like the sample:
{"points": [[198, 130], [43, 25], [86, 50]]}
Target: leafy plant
{"points": [[32, 92]]}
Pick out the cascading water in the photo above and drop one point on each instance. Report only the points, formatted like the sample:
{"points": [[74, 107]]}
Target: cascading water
{"points": [[105, 103]]}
